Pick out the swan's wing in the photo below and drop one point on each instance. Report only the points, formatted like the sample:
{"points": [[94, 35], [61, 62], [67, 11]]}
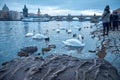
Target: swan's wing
{"points": [[38, 36], [75, 42], [66, 43], [42, 36]]}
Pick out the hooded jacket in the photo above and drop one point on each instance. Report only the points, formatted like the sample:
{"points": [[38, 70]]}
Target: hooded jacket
{"points": [[105, 17]]}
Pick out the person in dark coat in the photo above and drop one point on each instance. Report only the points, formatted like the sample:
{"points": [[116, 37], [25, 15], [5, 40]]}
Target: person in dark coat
{"points": [[106, 20], [115, 19], [111, 21]]}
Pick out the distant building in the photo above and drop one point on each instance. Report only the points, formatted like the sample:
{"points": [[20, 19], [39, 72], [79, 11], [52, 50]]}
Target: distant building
{"points": [[25, 11], [5, 8], [4, 14], [7, 15], [38, 13], [14, 15]]}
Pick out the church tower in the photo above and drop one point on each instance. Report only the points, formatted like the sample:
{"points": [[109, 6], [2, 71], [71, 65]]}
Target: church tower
{"points": [[38, 13], [25, 11]]}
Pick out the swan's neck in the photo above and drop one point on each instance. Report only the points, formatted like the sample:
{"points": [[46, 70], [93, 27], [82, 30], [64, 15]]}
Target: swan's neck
{"points": [[81, 39]]}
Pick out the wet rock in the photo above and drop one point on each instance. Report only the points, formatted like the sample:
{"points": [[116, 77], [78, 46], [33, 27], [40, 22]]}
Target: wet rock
{"points": [[58, 67], [26, 51], [5, 63], [29, 49], [23, 54]]}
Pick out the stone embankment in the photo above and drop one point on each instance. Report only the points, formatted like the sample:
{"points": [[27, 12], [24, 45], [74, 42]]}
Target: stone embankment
{"points": [[58, 67]]}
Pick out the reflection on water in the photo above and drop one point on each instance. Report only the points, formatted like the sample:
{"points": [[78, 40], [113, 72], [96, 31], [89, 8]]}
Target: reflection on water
{"points": [[77, 49], [26, 27], [12, 38]]}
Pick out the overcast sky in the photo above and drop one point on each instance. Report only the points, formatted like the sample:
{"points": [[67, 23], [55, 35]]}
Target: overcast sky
{"points": [[62, 7]]}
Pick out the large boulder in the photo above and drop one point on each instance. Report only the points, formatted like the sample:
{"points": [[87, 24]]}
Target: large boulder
{"points": [[26, 51], [58, 67]]}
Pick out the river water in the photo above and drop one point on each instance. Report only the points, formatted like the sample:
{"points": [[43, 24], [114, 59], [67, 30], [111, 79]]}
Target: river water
{"points": [[12, 38]]}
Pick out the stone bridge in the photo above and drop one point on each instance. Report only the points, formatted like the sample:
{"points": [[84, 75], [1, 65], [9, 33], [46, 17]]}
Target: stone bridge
{"points": [[74, 17]]}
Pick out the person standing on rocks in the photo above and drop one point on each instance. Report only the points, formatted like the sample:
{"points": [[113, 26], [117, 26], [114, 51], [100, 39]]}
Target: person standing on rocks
{"points": [[106, 20], [111, 21], [115, 21]]}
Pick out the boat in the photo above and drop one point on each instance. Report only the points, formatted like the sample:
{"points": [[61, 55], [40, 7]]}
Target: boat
{"points": [[38, 19]]}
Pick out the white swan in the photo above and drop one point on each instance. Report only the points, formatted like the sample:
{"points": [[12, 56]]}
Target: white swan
{"points": [[29, 34], [81, 38], [74, 42], [69, 31], [58, 30], [39, 36], [62, 28]]}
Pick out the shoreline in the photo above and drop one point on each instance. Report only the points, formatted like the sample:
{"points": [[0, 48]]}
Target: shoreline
{"points": [[54, 67]]}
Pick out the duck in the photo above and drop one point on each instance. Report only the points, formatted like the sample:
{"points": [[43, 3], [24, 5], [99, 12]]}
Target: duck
{"points": [[52, 46], [47, 49], [74, 35], [79, 29], [74, 42]]}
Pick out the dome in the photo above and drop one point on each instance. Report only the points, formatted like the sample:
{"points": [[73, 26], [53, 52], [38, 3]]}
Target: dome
{"points": [[5, 8]]}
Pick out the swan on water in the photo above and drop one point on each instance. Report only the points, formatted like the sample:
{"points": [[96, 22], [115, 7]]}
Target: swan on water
{"points": [[62, 28], [39, 36], [69, 31], [75, 42], [80, 38], [29, 34], [58, 30]]}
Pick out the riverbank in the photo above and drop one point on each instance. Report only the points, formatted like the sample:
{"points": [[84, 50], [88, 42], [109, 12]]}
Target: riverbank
{"points": [[108, 46], [58, 67]]}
